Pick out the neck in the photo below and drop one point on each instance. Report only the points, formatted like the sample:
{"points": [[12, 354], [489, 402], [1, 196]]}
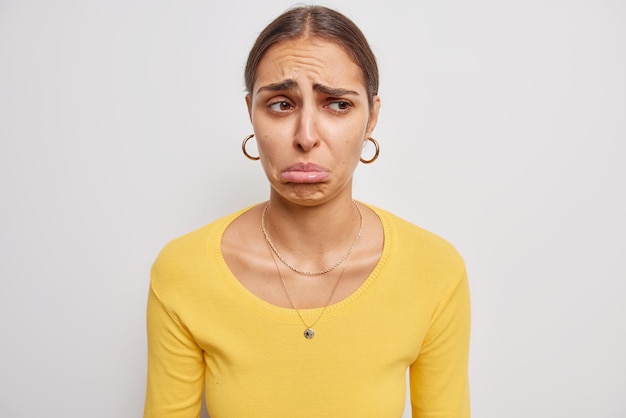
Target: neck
{"points": [[312, 237]]}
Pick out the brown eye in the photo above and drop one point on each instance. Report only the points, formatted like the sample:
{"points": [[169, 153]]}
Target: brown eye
{"points": [[280, 106], [340, 105]]}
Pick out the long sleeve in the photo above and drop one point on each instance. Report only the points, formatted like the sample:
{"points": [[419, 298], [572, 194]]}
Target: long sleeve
{"points": [[175, 364], [207, 332], [439, 376]]}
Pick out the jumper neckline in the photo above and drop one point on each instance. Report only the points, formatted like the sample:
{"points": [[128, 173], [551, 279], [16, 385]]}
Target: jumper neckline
{"points": [[263, 307]]}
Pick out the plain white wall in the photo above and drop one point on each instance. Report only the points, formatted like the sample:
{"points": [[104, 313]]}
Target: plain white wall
{"points": [[503, 129]]}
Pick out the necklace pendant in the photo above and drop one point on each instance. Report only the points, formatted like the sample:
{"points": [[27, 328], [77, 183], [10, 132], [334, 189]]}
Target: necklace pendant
{"points": [[309, 333]]}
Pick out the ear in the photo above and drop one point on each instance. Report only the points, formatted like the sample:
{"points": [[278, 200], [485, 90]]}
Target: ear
{"points": [[249, 105], [373, 119]]}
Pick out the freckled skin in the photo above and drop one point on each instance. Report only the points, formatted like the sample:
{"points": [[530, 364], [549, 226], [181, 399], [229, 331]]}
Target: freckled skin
{"points": [[320, 116]]}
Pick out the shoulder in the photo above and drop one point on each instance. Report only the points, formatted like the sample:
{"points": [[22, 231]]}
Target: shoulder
{"points": [[412, 248], [410, 234], [186, 256]]}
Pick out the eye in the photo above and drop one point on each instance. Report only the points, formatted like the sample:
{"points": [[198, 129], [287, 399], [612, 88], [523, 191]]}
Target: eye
{"points": [[280, 106], [340, 106]]}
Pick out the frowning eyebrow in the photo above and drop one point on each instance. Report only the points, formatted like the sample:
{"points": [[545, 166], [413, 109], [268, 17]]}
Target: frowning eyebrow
{"points": [[330, 91], [290, 84]]}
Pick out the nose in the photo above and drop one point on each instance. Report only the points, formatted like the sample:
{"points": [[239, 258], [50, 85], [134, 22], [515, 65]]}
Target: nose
{"points": [[307, 135]]}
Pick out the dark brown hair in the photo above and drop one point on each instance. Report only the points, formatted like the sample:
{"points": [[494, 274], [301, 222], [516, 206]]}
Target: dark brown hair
{"points": [[321, 22]]}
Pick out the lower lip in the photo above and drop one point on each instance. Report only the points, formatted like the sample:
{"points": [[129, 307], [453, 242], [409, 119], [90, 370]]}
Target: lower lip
{"points": [[304, 176]]}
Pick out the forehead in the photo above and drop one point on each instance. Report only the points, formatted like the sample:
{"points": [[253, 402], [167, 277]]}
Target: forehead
{"points": [[313, 59]]}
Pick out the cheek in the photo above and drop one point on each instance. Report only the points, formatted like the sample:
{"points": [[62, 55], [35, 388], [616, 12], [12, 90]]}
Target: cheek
{"points": [[271, 146], [263, 146], [270, 130], [352, 153], [358, 147]]}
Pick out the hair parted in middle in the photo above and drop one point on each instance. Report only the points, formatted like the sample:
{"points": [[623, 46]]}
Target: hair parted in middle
{"points": [[320, 22]]}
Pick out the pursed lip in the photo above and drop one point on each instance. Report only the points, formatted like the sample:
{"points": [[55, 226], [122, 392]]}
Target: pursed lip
{"points": [[304, 173]]}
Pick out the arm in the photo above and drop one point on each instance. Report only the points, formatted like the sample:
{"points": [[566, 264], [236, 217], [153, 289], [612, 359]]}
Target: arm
{"points": [[175, 365], [438, 377]]}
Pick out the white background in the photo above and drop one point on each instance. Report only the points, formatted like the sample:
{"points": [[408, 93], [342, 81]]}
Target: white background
{"points": [[503, 129]]}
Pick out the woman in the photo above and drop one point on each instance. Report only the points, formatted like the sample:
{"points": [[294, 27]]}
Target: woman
{"points": [[310, 304]]}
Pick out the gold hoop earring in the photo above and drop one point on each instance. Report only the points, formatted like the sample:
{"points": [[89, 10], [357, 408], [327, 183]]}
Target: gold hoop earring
{"points": [[371, 160], [243, 148]]}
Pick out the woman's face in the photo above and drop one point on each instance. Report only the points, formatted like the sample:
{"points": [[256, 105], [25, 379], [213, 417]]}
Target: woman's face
{"points": [[310, 113]]}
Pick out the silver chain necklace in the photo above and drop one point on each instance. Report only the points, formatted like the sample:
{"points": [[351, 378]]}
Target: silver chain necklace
{"points": [[312, 273]]}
